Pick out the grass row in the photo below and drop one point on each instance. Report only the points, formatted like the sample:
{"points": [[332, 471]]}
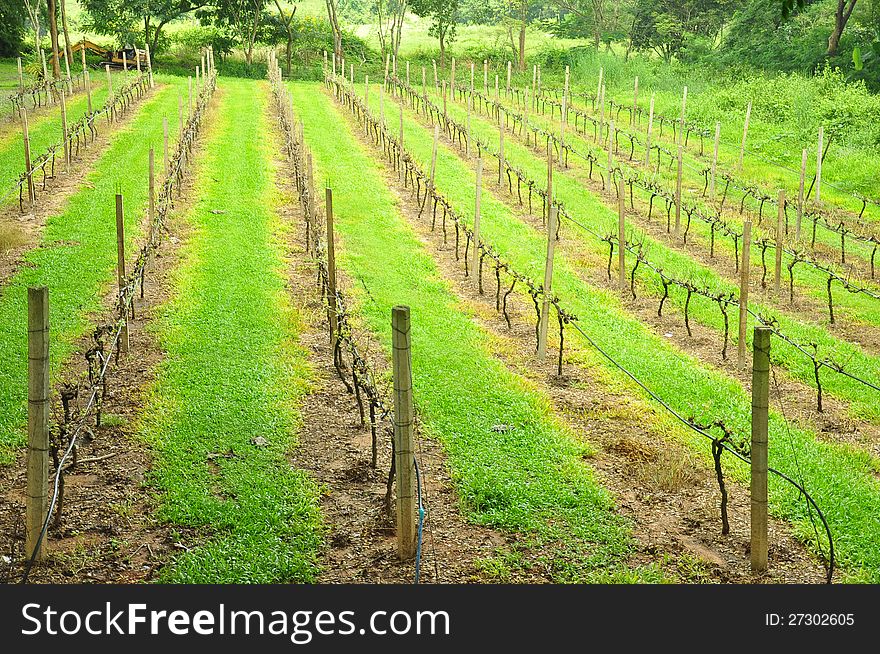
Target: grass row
{"points": [[76, 259], [842, 480], [529, 478], [591, 210], [225, 408]]}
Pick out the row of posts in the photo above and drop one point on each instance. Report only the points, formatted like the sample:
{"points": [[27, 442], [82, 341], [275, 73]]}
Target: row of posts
{"points": [[761, 345], [37, 500]]}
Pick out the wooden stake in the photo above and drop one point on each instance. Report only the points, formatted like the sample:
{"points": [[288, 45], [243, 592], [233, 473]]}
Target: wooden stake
{"points": [[714, 167], [403, 433], [475, 246], [621, 235], [189, 105], [486, 76], [180, 113], [780, 240], [38, 419], [650, 129], [601, 113], [509, 71], [496, 89], [151, 200], [382, 105], [64, 133], [678, 192], [744, 292], [43, 59], [742, 147], [452, 79], [27, 156], [434, 157], [407, 72], [760, 409], [599, 86], [331, 270], [20, 76], [89, 90], [120, 270], [434, 64], [610, 155], [124, 61], [549, 201], [500, 146], [543, 324], [149, 64], [83, 54], [684, 98], [401, 124], [800, 207], [632, 117], [819, 165], [165, 145], [137, 60], [109, 82]]}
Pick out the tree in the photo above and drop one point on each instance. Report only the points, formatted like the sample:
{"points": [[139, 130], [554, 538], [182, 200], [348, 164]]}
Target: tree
{"points": [[121, 18], [590, 15], [32, 7], [333, 17], [444, 18], [53, 32], [286, 20], [842, 12], [243, 18], [390, 15], [68, 51], [667, 26]]}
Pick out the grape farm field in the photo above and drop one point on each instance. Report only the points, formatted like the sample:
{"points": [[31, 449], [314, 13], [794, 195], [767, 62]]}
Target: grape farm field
{"points": [[433, 326]]}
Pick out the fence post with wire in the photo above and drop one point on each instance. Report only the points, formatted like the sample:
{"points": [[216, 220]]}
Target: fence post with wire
{"points": [[38, 416], [760, 418], [403, 432]]}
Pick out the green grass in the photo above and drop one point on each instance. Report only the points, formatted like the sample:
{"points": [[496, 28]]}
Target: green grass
{"points": [[840, 479], [592, 211], [76, 260], [531, 479], [233, 372]]}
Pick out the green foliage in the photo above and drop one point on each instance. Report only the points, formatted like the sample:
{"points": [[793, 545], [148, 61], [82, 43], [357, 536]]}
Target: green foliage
{"points": [[443, 15], [12, 25]]}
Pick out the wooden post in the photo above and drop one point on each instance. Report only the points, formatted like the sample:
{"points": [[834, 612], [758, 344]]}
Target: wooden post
{"points": [[549, 201], [544, 322], [120, 270], [27, 156], [64, 133], [650, 129], [713, 170], [434, 158], [534, 81], [496, 88], [67, 69], [500, 146], [180, 113], [742, 147], [403, 433], [165, 144], [470, 106], [151, 200], [621, 235], [350, 76], [189, 102], [760, 406], [780, 240], [445, 115], [334, 66], [137, 60], [387, 61], [509, 71], [599, 85], [564, 117], [819, 165], [744, 293], [610, 154], [88, 90], [475, 246], [452, 79], [197, 81], [124, 61], [407, 72], [109, 82], [149, 64], [401, 124], [20, 76], [486, 77], [678, 191], [331, 270], [800, 207], [434, 64], [83, 54], [601, 112], [632, 118], [472, 78], [43, 59], [38, 418], [382, 105], [684, 98], [424, 83]]}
